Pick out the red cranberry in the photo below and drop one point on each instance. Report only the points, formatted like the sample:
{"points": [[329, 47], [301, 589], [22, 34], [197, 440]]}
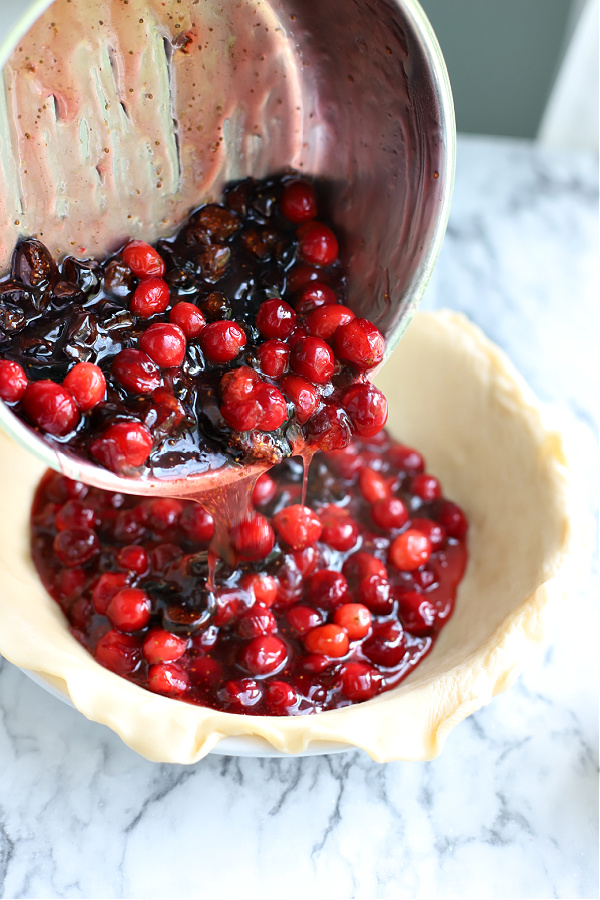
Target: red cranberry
{"points": [[118, 652], [164, 343], [373, 485], [367, 408], [418, 615], [360, 565], [375, 592], [249, 402], [314, 296], [328, 588], [298, 202], [280, 698], [254, 622], [167, 411], [425, 486], [359, 343], [109, 584], [80, 613], [206, 672], [347, 463], [264, 490], [75, 546], [306, 560], [168, 678], [275, 319], [161, 646], [222, 341], [50, 407], [187, 317], [304, 618], [312, 359], [315, 663], [136, 371], [13, 381], [302, 394], [130, 524], [290, 584], [453, 519], [197, 524], [324, 321], [242, 692], [264, 655], [340, 531], [406, 459], [389, 513], [134, 559], [75, 515], [409, 550], [129, 609], [253, 538], [264, 587], [142, 259], [354, 618], [164, 555], [328, 640], [301, 275], [122, 446], [298, 526], [70, 583], [360, 681], [387, 645], [164, 514], [87, 384], [433, 530], [273, 357], [329, 428], [150, 297], [317, 244]]}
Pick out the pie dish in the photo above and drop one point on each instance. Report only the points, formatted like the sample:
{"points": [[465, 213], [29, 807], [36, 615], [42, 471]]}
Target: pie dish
{"points": [[484, 435]]}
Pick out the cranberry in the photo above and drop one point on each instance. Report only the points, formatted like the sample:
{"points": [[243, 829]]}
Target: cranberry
{"points": [[142, 259], [134, 559], [306, 560], [315, 296], [360, 565], [249, 402], [253, 538], [375, 592], [75, 515], [122, 446], [367, 408], [168, 678], [222, 341], [129, 609], [136, 371], [433, 530], [165, 344], [304, 618], [164, 514], [130, 524], [373, 485], [70, 583], [303, 395], [164, 555], [13, 381], [264, 587], [328, 588], [197, 524], [324, 321], [347, 463], [264, 655], [254, 622], [273, 357], [301, 275], [354, 618], [312, 359], [387, 645], [264, 490], [453, 519], [161, 646], [298, 202], [425, 486], [410, 550], [275, 319], [87, 384], [360, 681], [280, 697], [109, 584], [419, 615], [187, 317], [167, 411], [206, 672], [75, 546], [389, 513], [359, 343], [406, 459], [317, 244], [340, 531], [50, 407], [329, 428], [118, 652], [150, 298], [298, 526], [328, 640], [242, 692]]}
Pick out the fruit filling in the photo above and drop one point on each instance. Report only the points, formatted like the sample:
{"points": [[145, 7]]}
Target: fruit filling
{"points": [[334, 590], [229, 341]]}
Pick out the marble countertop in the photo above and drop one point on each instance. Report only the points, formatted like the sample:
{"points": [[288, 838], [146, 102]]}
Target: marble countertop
{"points": [[510, 808]]}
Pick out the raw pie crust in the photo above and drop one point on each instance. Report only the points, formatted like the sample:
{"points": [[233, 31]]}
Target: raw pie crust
{"points": [[456, 398]]}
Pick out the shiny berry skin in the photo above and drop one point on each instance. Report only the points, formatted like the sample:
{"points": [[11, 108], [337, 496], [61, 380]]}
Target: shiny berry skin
{"points": [[453, 519], [134, 559], [121, 653], [76, 546], [409, 550], [151, 297], [164, 343], [406, 459], [376, 593], [340, 530], [389, 513], [136, 372], [167, 411], [253, 538], [51, 407], [302, 394], [280, 698], [109, 584], [164, 514], [187, 317], [161, 646], [314, 296], [263, 406], [354, 618], [361, 564], [359, 344], [222, 341], [328, 588], [75, 514], [367, 408], [273, 357], [241, 693], [329, 428], [264, 587], [197, 524], [425, 486], [303, 618], [372, 485], [360, 681], [323, 322], [129, 609], [264, 655], [275, 319], [264, 490], [418, 615], [142, 259], [169, 679], [13, 381], [317, 244], [312, 359], [86, 382], [346, 463], [387, 645], [255, 621], [122, 446], [298, 202], [433, 530], [298, 526], [329, 640]]}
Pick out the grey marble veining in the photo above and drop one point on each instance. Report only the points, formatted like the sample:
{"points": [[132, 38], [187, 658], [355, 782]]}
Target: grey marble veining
{"points": [[510, 808]]}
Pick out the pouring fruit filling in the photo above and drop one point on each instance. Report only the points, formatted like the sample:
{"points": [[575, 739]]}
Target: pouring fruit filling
{"points": [[230, 340], [331, 599]]}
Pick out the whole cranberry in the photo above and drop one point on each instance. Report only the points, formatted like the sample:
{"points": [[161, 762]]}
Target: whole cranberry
{"points": [[142, 259], [86, 382], [164, 343], [122, 446], [406, 459], [312, 359], [121, 653], [264, 655], [340, 530], [129, 609], [409, 550], [273, 357], [354, 618], [298, 526], [360, 681], [361, 564], [359, 344], [134, 559], [150, 298], [75, 546], [255, 621], [187, 317], [197, 524], [280, 698], [264, 490], [303, 618], [329, 428], [109, 584], [275, 319], [387, 645], [161, 646], [314, 296], [389, 513], [164, 514], [373, 485], [433, 530], [367, 408], [169, 679], [328, 588], [130, 524], [298, 202], [453, 519], [221, 341], [13, 381], [264, 587], [323, 322], [317, 244], [241, 693], [329, 640], [135, 371], [427, 487], [376, 593], [75, 514], [419, 615], [51, 407], [302, 394], [253, 538]]}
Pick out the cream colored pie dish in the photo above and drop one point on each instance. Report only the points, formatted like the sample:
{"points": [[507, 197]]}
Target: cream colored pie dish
{"points": [[453, 395]]}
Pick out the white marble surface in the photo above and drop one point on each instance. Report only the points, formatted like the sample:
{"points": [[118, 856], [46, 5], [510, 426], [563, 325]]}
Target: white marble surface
{"points": [[509, 810]]}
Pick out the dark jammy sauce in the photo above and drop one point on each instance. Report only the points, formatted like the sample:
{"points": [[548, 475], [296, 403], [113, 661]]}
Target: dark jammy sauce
{"points": [[345, 598]]}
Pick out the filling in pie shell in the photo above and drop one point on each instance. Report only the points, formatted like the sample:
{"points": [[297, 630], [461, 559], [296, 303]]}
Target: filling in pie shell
{"points": [[457, 399]]}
